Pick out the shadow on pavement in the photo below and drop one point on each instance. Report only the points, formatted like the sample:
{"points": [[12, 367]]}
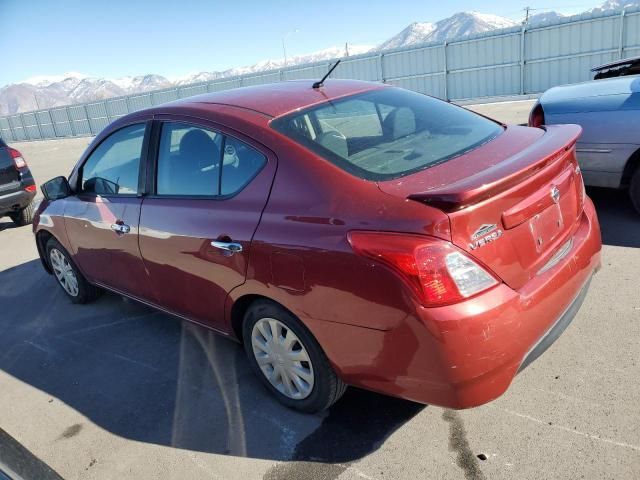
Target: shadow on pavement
{"points": [[619, 222], [149, 377]]}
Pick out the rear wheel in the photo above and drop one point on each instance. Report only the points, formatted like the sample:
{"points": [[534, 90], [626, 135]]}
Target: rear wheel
{"points": [[288, 360], [68, 276], [25, 216], [634, 189]]}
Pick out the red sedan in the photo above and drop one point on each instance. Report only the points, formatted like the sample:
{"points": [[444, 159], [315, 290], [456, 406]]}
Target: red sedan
{"points": [[348, 234]]}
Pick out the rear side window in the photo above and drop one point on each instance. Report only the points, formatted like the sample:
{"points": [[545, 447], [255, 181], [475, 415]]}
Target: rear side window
{"points": [[387, 133], [188, 160], [113, 167], [241, 163], [195, 161]]}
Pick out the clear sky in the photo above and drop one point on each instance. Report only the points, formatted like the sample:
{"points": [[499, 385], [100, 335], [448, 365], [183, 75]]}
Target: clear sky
{"points": [[114, 38]]}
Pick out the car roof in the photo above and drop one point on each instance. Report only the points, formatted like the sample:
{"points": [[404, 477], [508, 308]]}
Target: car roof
{"points": [[276, 99], [593, 88]]}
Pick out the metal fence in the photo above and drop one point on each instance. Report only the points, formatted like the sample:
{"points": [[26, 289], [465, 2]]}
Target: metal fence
{"points": [[513, 61]]}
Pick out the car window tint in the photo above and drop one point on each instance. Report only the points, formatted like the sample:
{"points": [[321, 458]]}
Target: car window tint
{"points": [[113, 166], [188, 160], [240, 164], [387, 133], [354, 118]]}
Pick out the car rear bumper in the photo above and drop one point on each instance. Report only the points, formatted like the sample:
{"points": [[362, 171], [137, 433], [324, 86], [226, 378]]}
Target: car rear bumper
{"points": [[15, 201], [465, 355]]}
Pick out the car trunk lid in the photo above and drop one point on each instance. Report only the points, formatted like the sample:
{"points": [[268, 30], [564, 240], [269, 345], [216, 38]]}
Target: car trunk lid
{"points": [[513, 203], [9, 174]]}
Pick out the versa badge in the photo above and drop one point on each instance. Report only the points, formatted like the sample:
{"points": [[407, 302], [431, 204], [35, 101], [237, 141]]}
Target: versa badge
{"points": [[487, 233]]}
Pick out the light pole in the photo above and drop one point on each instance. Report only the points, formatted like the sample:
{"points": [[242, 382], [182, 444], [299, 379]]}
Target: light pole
{"points": [[284, 47]]}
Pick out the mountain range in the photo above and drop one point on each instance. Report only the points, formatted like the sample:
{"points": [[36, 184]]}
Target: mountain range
{"points": [[73, 87]]}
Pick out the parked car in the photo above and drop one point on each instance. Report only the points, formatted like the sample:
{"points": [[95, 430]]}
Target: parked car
{"points": [[619, 68], [17, 187], [609, 113], [349, 234]]}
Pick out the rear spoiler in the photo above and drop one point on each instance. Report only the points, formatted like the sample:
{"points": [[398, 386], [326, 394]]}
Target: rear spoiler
{"points": [[468, 191], [617, 63]]}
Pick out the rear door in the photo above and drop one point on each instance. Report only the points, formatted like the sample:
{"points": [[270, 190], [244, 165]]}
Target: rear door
{"points": [[102, 219], [210, 186]]}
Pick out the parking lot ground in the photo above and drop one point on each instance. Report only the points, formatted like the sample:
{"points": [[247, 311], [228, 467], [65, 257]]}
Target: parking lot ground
{"points": [[117, 390]]}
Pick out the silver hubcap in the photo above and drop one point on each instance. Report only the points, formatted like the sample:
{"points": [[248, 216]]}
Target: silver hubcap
{"points": [[63, 271], [282, 358]]}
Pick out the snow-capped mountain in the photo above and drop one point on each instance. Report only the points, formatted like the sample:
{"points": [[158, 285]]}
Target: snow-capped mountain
{"points": [[545, 17], [73, 87], [275, 64], [417, 32], [44, 80], [614, 5], [458, 25]]}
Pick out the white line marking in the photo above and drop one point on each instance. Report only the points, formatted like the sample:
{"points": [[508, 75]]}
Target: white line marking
{"points": [[568, 397], [358, 472], [570, 430]]}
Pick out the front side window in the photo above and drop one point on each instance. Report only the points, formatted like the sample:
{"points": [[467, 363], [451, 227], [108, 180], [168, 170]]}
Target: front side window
{"points": [[195, 161], [113, 167], [387, 133]]}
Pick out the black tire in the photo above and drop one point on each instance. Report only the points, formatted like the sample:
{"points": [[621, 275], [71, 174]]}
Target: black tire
{"points": [[86, 292], [634, 190], [327, 386], [25, 216]]}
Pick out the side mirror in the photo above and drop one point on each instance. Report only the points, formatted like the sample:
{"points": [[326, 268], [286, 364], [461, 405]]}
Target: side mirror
{"points": [[56, 188]]}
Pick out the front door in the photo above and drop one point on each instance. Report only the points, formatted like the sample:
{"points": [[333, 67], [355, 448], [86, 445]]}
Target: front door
{"points": [[102, 219], [197, 225]]}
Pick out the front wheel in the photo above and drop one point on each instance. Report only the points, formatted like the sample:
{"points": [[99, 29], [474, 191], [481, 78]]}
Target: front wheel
{"points": [[288, 360], [68, 276]]}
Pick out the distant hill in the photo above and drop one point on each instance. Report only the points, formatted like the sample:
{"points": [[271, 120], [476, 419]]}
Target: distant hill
{"points": [[458, 25], [73, 87]]}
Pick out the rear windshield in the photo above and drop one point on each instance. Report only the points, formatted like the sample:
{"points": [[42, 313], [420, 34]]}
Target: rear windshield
{"points": [[387, 133]]}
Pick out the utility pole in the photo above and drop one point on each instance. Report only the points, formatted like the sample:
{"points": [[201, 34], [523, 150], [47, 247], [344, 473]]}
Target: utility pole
{"points": [[284, 48], [284, 51], [526, 18], [346, 49]]}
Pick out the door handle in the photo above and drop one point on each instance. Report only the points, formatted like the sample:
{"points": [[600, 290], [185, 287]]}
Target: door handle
{"points": [[120, 228], [230, 247]]}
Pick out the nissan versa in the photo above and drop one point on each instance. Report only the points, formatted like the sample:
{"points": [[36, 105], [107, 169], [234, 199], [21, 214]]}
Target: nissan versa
{"points": [[348, 233]]}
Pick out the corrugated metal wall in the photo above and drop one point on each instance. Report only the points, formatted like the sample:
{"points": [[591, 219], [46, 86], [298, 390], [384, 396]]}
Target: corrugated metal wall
{"points": [[512, 61]]}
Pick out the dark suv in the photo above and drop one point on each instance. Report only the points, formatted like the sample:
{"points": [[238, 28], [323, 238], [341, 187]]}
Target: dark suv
{"points": [[17, 187]]}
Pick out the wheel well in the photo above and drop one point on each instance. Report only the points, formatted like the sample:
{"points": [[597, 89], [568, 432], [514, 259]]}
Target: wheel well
{"points": [[240, 307], [632, 165], [42, 237]]}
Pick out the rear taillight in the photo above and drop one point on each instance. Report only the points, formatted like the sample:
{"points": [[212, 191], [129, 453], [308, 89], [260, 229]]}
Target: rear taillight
{"points": [[30, 188], [437, 271], [18, 160], [536, 117]]}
